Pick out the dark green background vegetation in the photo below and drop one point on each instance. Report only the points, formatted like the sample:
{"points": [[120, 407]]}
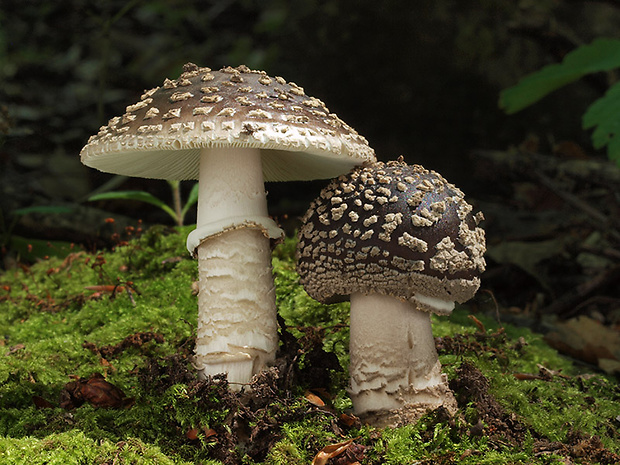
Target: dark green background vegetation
{"points": [[419, 79]]}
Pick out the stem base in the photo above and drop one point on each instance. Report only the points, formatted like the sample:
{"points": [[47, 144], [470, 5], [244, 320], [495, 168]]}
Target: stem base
{"points": [[395, 371]]}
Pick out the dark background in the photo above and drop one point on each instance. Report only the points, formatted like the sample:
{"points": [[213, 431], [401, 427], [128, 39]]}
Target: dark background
{"points": [[419, 79]]}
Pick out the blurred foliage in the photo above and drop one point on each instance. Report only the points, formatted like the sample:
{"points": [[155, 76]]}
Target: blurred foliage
{"points": [[602, 55], [177, 212], [416, 78]]}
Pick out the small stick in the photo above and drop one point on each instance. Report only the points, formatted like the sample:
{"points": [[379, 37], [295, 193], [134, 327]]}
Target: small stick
{"points": [[566, 305]]}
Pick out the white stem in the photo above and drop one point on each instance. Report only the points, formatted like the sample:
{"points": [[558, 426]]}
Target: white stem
{"points": [[237, 326], [231, 185], [394, 363]]}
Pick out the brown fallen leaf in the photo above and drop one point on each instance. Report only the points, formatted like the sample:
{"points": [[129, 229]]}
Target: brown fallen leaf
{"points": [[314, 399], [15, 348], [548, 374], [209, 432], [40, 402], [192, 434], [331, 451], [348, 419], [105, 288], [96, 391], [586, 339]]}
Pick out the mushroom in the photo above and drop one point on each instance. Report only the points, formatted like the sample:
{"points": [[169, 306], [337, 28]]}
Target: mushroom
{"points": [[232, 129], [400, 242]]}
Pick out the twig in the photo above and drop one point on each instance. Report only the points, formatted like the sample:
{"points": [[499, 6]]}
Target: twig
{"points": [[599, 301], [518, 163], [566, 306], [608, 252], [615, 3], [596, 215]]}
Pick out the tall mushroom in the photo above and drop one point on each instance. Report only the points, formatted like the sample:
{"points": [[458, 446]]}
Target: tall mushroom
{"points": [[232, 129], [400, 242]]}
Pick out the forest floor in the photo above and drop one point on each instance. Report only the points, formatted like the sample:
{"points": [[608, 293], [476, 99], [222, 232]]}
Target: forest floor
{"points": [[96, 368]]}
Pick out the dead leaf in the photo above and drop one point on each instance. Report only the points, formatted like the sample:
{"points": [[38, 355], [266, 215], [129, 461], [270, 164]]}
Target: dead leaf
{"points": [[347, 419], [94, 390], [40, 402], [15, 348], [548, 374], [314, 399], [331, 451], [586, 339], [105, 288], [528, 256], [209, 432], [192, 433]]}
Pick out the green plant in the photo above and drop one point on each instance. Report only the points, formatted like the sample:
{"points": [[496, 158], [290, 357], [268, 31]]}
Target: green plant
{"points": [[177, 212], [602, 55]]}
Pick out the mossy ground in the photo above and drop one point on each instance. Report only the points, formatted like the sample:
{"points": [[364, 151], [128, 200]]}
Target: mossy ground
{"points": [[48, 313]]}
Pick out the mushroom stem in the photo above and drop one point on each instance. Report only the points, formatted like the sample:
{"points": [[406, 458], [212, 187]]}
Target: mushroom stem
{"points": [[237, 326], [394, 364]]}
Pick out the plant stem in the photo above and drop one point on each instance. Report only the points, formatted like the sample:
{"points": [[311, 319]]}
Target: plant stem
{"points": [[176, 201]]}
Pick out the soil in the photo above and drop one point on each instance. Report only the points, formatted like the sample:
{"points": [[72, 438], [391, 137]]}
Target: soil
{"points": [[256, 414]]}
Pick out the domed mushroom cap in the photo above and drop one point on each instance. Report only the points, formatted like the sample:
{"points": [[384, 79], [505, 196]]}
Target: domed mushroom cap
{"points": [[161, 135], [392, 229]]}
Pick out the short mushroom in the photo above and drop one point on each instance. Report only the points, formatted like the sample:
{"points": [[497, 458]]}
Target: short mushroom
{"points": [[232, 129], [400, 242]]}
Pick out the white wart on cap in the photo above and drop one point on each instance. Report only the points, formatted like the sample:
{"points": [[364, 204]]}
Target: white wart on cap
{"points": [[161, 135], [394, 229]]}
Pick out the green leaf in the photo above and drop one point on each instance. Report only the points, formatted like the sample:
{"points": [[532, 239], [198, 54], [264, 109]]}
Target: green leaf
{"points": [[600, 55], [140, 196], [613, 150], [191, 199], [604, 116]]}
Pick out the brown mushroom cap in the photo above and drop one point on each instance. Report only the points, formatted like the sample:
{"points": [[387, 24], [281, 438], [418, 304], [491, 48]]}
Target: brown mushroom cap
{"points": [[392, 229], [161, 136]]}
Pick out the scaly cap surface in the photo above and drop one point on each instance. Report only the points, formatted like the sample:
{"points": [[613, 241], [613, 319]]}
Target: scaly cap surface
{"points": [[161, 135], [392, 229]]}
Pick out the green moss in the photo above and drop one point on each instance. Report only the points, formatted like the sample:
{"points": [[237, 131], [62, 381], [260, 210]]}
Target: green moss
{"points": [[302, 440], [298, 309], [74, 447], [48, 311], [551, 408]]}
